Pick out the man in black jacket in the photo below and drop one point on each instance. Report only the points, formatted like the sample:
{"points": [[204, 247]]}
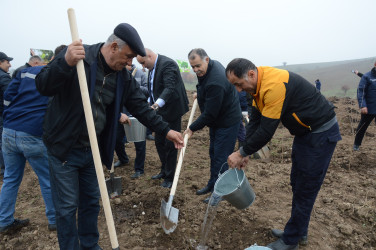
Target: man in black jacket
{"points": [[168, 97], [4, 81], [73, 178], [220, 111]]}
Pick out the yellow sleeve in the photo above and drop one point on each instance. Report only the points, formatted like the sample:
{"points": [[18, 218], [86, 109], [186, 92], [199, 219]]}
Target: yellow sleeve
{"points": [[273, 101]]}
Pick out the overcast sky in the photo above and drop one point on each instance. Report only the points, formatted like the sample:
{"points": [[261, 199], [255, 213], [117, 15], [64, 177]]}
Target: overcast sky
{"points": [[268, 32]]}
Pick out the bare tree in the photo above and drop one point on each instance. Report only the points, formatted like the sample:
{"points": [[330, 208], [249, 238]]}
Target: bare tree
{"points": [[345, 88]]}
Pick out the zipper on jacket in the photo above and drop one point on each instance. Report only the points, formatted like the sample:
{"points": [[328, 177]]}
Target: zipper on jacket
{"points": [[300, 122]]}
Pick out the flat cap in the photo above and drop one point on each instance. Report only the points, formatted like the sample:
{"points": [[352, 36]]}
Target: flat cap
{"points": [[3, 56], [129, 35]]}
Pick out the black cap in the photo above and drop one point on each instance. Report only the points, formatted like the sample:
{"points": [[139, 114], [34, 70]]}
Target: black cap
{"points": [[129, 35], [4, 56]]}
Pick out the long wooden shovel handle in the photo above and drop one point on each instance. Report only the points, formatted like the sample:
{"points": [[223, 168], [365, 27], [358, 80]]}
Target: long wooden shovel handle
{"points": [[93, 136], [182, 151]]}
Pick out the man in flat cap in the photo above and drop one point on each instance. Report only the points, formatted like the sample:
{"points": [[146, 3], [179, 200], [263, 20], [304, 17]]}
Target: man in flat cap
{"points": [[5, 79], [168, 97], [73, 178]]}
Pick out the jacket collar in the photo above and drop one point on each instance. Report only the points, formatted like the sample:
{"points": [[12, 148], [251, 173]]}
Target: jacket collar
{"points": [[2, 71], [260, 75], [210, 66], [92, 53]]}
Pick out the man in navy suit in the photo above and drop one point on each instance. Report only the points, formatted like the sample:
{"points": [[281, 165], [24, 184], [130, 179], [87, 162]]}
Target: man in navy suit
{"points": [[168, 97]]}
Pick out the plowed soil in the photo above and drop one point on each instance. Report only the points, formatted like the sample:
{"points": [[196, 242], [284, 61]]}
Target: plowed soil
{"points": [[344, 215]]}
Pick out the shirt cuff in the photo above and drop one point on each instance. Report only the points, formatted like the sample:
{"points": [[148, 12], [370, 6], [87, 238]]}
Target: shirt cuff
{"points": [[241, 151], [160, 102]]}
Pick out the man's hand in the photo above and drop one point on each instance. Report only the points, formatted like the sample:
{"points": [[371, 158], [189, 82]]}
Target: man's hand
{"points": [[124, 119], [188, 132], [155, 106], [194, 95], [236, 160], [364, 110], [75, 52], [176, 138]]}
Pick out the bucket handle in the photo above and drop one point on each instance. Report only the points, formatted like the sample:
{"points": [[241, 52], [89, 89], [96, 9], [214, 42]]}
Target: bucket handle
{"points": [[237, 176]]}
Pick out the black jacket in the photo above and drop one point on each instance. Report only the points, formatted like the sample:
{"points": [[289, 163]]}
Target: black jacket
{"points": [[19, 69], [217, 98], [169, 86], [65, 120], [4, 82], [283, 96]]}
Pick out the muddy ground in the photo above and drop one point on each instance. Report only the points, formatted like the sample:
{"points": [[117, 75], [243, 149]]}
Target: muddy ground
{"points": [[344, 216]]}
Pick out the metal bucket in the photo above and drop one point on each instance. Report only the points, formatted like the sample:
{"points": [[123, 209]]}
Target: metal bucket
{"points": [[136, 131], [234, 186]]}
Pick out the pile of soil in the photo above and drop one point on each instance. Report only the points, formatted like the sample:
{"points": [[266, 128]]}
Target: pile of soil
{"points": [[344, 215]]}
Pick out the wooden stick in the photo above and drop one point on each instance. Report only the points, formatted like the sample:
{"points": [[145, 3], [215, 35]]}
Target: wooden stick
{"points": [[93, 136], [182, 151]]}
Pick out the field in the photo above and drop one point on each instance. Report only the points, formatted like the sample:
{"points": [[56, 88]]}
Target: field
{"points": [[344, 216]]}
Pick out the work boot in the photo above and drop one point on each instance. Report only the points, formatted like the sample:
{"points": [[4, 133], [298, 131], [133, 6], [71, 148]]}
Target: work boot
{"points": [[280, 245], [137, 175], [120, 164], [204, 190], [150, 137], [166, 184], [278, 234], [14, 227], [158, 176]]}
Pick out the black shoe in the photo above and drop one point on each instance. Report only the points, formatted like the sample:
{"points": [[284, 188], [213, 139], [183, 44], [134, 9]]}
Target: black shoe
{"points": [[120, 164], [136, 175], [52, 227], [204, 190], [166, 184], [278, 234], [150, 137], [158, 176], [14, 227], [280, 245]]}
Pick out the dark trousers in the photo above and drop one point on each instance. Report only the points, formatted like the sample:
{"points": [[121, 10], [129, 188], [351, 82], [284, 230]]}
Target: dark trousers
{"points": [[119, 145], [167, 152], [241, 134], [75, 192], [365, 121], [311, 155], [139, 162], [222, 144]]}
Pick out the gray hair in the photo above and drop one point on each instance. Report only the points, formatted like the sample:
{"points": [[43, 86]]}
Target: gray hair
{"points": [[114, 38], [199, 52], [35, 59]]}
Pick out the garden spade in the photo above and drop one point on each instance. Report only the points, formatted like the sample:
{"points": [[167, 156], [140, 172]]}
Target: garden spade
{"points": [[113, 184], [169, 214]]}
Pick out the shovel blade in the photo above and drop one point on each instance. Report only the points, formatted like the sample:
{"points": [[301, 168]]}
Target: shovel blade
{"points": [[114, 186], [169, 217]]}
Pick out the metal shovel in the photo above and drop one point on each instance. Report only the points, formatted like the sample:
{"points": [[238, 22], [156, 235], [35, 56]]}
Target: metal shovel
{"points": [[113, 184], [169, 214]]}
